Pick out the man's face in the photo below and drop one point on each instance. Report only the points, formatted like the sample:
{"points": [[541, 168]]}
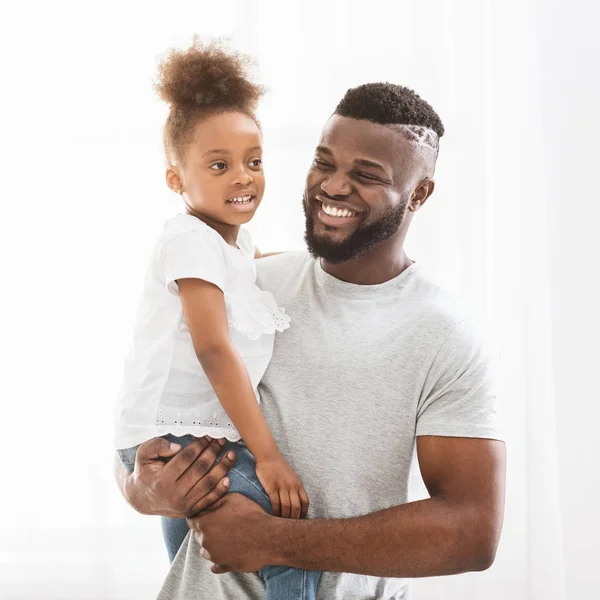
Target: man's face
{"points": [[358, 188]]}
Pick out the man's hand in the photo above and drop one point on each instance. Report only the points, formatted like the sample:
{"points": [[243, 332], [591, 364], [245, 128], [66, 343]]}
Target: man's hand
{"points": [[284, 488], [188, 483], [231, 535]]}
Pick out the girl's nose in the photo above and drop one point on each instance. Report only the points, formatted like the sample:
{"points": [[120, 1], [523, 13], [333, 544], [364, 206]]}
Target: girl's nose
{"points": [[243, 177]]}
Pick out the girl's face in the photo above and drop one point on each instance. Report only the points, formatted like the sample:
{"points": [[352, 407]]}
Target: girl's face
{"points": [[222, 179]]}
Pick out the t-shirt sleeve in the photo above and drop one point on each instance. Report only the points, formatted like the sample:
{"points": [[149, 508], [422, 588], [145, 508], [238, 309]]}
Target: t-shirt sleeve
{"points": [[460, 396], [193, 254]]}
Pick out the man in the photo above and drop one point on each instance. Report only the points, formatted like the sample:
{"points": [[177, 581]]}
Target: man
{"points": [[378, 356]]}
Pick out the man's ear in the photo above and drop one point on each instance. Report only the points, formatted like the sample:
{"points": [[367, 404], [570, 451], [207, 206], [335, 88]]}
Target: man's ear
{"points": [[173, 179], [423, 191]]}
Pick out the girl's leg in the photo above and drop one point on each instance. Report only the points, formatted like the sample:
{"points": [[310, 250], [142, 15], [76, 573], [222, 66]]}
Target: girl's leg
{"points": [[282, 583], [174, 532], [285, 583]]}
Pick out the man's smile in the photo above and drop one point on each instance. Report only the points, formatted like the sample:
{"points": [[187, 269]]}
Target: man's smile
{"points": [[334, 213]]}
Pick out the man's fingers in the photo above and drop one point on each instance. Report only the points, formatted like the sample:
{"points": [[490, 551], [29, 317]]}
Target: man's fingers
{"points": [[218, 569], [157, 448], [286, 505], [295, 507], [194, 524], [275, 503], [208, 500], [204, 553], [208, 488], [304, 501], [194, 461]]}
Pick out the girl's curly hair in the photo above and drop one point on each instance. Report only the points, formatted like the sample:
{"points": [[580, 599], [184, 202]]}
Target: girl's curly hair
{"points": [[203, 80]]}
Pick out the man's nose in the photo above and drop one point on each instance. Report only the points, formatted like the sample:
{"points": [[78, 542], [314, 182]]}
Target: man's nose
{"points": [[336, 185]]}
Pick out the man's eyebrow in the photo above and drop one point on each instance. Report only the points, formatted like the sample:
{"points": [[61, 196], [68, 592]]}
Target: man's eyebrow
{"points": [[324, 150]]}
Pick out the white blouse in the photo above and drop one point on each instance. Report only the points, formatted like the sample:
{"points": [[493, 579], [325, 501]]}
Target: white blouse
{"points": [[165, 389]]}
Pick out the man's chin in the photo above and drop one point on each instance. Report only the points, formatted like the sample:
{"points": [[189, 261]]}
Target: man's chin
{"points": [[331, 249], [330, 236], [332, 244]]}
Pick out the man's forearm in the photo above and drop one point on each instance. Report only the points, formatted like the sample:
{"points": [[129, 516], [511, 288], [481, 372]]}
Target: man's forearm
{"points": [[420, 539]]}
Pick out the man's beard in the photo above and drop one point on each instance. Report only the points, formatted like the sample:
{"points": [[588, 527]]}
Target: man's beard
{"points": [[363, 239]]}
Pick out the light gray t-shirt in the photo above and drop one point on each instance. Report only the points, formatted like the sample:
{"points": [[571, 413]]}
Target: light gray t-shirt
{"points": [[361, 372]]}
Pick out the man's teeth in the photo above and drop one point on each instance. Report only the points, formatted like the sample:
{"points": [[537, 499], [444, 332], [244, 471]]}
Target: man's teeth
{"points": [[241, 200], [337, 212]]}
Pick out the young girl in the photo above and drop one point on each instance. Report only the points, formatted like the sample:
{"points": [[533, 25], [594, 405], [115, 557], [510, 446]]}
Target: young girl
{"points": [[204, 333]]}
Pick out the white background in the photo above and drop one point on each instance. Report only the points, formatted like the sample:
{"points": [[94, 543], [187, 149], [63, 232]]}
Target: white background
{"points": [[513, 227]]}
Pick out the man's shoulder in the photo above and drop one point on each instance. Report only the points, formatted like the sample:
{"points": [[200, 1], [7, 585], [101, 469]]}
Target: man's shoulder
{"points": [[439, 307], [274, 272]]}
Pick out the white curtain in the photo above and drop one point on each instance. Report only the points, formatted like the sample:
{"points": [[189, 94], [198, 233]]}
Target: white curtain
{"points": [[83, 196]]}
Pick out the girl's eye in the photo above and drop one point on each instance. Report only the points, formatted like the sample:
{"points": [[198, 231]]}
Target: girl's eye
{"points": [[218, 166], [257, 162]]}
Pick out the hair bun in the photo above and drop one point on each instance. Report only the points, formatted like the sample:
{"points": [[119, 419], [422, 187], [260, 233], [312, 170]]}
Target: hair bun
{"points": [[207, 76]]}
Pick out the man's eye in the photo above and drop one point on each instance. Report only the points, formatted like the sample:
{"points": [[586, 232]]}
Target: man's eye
{"points": [[257, 162], [367, 177], [218, 166], [321, 164]]}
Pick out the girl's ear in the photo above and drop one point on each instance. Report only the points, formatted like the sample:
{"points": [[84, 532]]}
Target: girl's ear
{"points": [[174, 180]]}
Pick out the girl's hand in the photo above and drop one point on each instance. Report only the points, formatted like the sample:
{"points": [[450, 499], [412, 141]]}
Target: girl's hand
{"points": [[285, 490]]}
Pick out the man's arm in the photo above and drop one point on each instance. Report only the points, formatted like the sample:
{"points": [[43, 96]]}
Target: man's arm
{"points": [[188, 483], [259, 254], [454, 531]]}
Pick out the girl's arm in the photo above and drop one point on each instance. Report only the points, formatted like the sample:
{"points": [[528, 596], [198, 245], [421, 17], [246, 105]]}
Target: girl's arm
{"points": [[206, 315]]}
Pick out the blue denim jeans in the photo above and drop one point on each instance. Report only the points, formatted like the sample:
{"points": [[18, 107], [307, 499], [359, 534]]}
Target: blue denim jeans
{"points": [[281, 583]]}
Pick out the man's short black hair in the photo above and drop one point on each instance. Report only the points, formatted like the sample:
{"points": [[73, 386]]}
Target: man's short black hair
{"points": [[387, 104]]}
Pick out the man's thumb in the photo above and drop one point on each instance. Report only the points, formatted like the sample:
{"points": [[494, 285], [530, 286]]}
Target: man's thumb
{"points": [[157, 448]]}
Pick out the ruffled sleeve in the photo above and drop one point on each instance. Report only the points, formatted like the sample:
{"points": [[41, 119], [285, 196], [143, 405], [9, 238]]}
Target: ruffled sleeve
{"points": [[255, 314]]}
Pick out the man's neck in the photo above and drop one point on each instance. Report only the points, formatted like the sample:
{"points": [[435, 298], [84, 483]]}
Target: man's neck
{"points": [[379, 265]]}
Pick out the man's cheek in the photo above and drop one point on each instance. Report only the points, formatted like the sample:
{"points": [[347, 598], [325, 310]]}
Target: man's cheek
{"points": [[314, 179]]}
